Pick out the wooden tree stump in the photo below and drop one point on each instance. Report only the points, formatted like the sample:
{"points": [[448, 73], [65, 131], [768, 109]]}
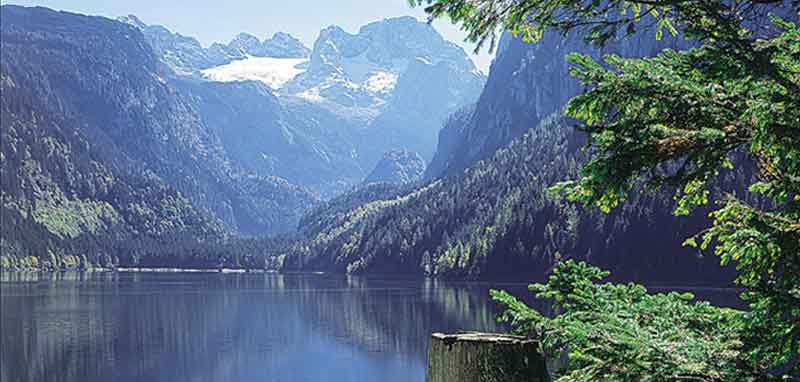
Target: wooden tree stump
{"points": [[484, 357]]}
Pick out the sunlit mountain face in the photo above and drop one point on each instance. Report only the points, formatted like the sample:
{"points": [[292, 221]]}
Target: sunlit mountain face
{"points": [[336, 108]]}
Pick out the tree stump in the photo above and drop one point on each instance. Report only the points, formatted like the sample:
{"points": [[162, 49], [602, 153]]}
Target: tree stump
{"points": [[484, 357]]}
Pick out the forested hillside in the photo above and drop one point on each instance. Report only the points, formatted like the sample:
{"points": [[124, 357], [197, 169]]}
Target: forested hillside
{"points": [[59, 199], [492, 217], [98, 148], [484, 211], [496, 220], [399, 166]]}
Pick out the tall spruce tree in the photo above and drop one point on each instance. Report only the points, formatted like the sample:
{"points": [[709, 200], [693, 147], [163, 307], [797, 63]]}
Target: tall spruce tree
{"points": [[675, 120]]}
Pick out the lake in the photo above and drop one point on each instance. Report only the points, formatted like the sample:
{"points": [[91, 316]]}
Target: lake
{"points": [[231, 327], [228, 327]]}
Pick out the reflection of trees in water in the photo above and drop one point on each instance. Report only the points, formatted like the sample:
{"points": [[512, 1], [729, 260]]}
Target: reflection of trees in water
{"points": [[45, 330], [67, 329], [60, 327], [394, 316]]}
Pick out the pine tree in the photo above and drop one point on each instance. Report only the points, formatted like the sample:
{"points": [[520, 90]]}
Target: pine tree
{"points": [[677, 120]]}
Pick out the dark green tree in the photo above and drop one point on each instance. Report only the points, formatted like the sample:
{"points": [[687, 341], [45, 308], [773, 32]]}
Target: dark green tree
{"points": [[678, 120]]}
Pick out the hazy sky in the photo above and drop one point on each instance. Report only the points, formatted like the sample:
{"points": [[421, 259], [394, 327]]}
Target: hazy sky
{"points": [[220, 20]]}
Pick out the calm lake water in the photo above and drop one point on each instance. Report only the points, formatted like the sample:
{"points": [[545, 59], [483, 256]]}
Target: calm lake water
{"points": [[230, 327]]}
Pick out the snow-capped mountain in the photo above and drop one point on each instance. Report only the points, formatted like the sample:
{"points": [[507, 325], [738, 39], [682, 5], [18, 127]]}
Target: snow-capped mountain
{"points": [[397, 78], [186, 56], [326, 116], [362, 70]]}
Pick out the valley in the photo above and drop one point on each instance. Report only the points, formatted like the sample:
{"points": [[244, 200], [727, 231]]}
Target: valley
{"points": [[381, 151], [190, 192]]}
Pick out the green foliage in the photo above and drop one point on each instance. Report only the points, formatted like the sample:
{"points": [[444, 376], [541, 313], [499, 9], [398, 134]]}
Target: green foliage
{"points": [[698, 107], [495, 218], [614, 332], [677, 120], [76, 217], [529, 19], [73, 185], [460, 222]]}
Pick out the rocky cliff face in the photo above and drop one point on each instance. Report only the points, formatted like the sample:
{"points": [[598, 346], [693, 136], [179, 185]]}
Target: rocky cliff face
{"points": [[396, 79], [102, 79], [526, 83], [362, 70], [424, 97], [399, 167], [451, 138]]}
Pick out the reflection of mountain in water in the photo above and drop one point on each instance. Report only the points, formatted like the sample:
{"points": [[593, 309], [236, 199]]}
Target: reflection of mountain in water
{"points": [[207, 327]]}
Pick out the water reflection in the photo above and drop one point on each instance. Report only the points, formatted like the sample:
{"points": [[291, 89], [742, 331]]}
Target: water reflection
{"points": [[213, 327]]}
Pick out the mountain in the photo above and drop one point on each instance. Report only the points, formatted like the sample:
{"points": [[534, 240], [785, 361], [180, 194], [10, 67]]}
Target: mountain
{"points": [[495, 220], [186, 56], [397, 166], [483, 210], [322, 119], [361, 70], [267, 136], [280, 45], [98, 140], [118, 139], [527, 82], [397, 79]]}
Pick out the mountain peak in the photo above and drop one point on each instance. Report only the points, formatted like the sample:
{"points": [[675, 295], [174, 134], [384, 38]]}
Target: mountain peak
{"points": [[186, 56], [361, 70], [402, 27], [284, 45], [394, 21], [244, 36], [332, 31], [399, 166], [246, 44], [132, 20]]}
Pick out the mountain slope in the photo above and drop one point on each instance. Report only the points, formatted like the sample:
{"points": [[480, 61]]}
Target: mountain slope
{"points": [[61, 200], [98, 79], [265, 136], [527, 82], [495, 220], [397, 166], [397, 79], [326, 117]]}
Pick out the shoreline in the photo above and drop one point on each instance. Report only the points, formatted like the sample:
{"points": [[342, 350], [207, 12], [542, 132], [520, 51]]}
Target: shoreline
{"points": [[158, 270], [653, 288]]}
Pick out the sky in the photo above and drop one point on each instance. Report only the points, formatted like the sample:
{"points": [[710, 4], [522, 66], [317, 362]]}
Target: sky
{"points": [[220, 20]]}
